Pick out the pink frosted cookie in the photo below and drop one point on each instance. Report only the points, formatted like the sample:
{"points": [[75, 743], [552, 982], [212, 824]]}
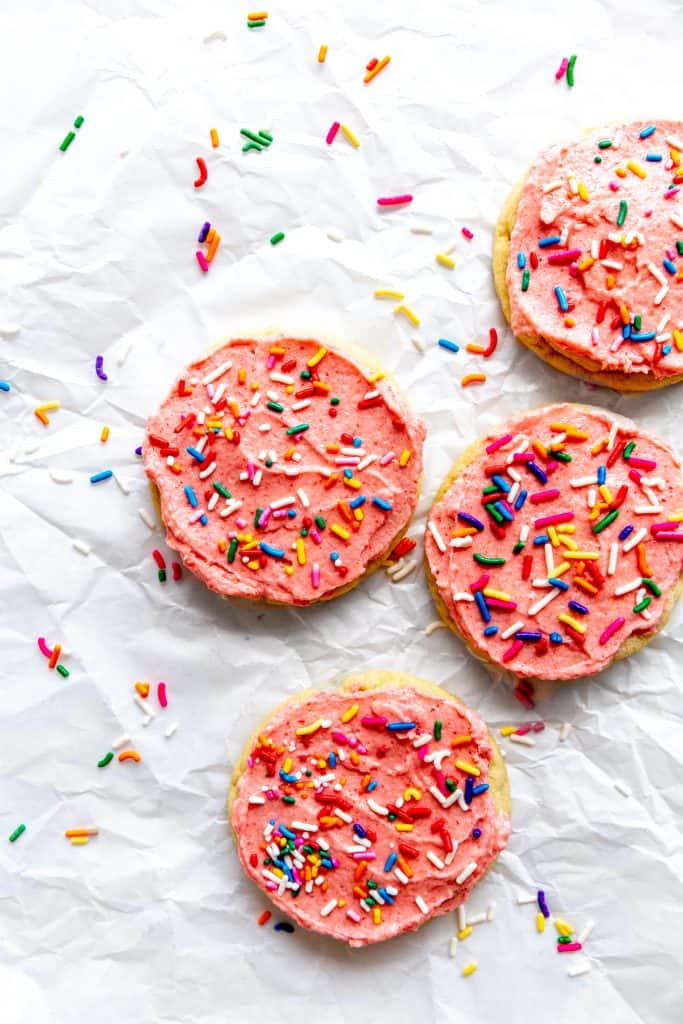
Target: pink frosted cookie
{"points": [[365, 811], [554, 545], [588, 256], [285, 470]]}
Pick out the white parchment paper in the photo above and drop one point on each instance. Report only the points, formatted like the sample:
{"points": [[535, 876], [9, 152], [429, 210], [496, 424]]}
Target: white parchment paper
{"points": [[153, 920]]}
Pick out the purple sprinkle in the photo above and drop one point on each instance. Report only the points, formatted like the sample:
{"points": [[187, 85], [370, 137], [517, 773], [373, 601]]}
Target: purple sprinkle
{"points": [[580, 608], [98, 368], [542, 905], [283, 926], [138, 450], [467, 518], [527, 634], [537, 471], [206, 227], [625, 532]]}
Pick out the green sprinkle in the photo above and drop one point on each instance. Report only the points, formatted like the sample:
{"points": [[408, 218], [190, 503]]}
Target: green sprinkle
{"points": [[308, 773], [67, 141], [320, 522], [638, 321], [275, 406], [564, 940], [560, 456], [277, 237], [623, 210], [298, 429], [105, 760], [391, 817], [597, 159], [437, 729], [17, 832], [232, 550], [223, 491], [371, 884], [334, 401], [259, 23], [257, 516], [525, 280], [305, 374], [288, 800], [79, 121], [628, 450], [651, 585], [450, 785], [303, 533], [642, 605], [309, 849], [519, 546], [369, 902], [268, 463], [491, 489], [604, 144], [487, 559], [679, 248], [162, 575], [604, 523], [493, 511], [570, 70], [63, 671], [267, 861]]}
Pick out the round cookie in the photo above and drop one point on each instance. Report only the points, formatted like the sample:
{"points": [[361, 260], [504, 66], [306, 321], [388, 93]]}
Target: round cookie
{"points": [[286, 469], [399, 825], [506, 568], [604, 235]]}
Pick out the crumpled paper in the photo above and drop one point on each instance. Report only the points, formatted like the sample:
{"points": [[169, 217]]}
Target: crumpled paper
{"points": [[154, 920]]}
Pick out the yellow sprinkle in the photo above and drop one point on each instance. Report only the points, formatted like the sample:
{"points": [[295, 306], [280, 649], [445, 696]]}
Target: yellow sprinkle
{"points": [[605, 493], [307, 730], [583, 192], [445, 260], [253, 566], [258, 16], [314, 360], [678, 339], [597, 448], [104, 436], [561, 569], [635, 168], [465, 766], [349, 136], [300, 551], [289, 570], [582, 556], [464, 932], [375, 377], [350, 713], [215, 141], [563, 927], [470, 969], [48, 407], [250, 545], [407, 312], [403, 826], [404, 457], [79, 841], [570, 621], [566, 528], [586, 263], [376, 915], [411, 793], [570, 544], [322, 53], [554, 539], [287, 766], [508, 730], [352, 482], [540, 922], [500, 595], [340, 531], [676, 517], [358, 515], [388, 293]]}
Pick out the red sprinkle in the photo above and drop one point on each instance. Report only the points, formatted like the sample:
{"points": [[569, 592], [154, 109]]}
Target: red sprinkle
{"points": [[265, 916], [159, 558], [526, 566]]}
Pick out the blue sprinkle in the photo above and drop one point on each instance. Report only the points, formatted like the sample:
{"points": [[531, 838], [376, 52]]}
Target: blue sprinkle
{"points": [[371, 785], [602, 475], [556, 638], [334, 556], [481, 788], [348, 474], [268, 549], [469, 786], [390, 861], [654, 158], [291, 513], [287, 778], [195, 454], [501, 484], [647, 132], [577, 607], [357, 442], [204, 520], [357, 502], [537, 471], [359, 830], [625, 532], [527, 634], [401, 726], [561, 298], [543, 539], [191, 496], [543, 243], [506, 514], [646, 335], [626, 330], [99, 477], [521, 260], [332, 760], [556, 582], [138, 451], [386, 896], [386, 506], [4, 386], [482, 606], [520, 499], [283, 926], [666, 349], [490, 630], [450, 345], [467, 518], [669, 265], [285, 831], [476, 833]]}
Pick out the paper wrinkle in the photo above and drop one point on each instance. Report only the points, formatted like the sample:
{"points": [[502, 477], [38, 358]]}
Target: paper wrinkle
{"points": [[154, 920]]}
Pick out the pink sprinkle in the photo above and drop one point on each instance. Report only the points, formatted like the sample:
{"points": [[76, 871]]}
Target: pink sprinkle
{"points": [[374, 721], [523, 457], [44, 649], [540, 496], [201, 260], [523, 699], [513, 650], [386, 459], [334, 128], [315, 576], [366, 855], [569, 947], [271, 886], [642, 463], [595, 336], [538, 726], [270, 362], [611, 629], [395, 200], [666, 535], [467, 233], [265, 516], [480, 583], [671, 254], [440, 781], [558, 517], [495, 445], [551, 466], [251, 469], [656, 527], [314, 535], [565, 256], [564, 64], [161, 694], [495, 602], [523, 729], [634, 475], [339, 737], [346, 460], [671, 193], [240, 523], [353, 916], [573, 270], [280, 514], [614, 185]]}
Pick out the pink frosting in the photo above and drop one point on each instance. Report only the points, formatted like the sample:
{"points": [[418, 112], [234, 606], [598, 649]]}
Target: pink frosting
{"points": [[652, 492], [597, 249], [358, 771], [333, 495]]}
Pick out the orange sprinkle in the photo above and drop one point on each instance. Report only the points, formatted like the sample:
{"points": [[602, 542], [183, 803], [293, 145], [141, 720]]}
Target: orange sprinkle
{"points": [[322, 53], [143, 689], [376, 70], [585, 585], [620, 172], [473, 378], [405, 866], [360, 870], [458, 741], [129, 755], [54, 657], [365, 783], [242, 375], [104, 436], [641, 555], [213, 248], [331, 481], [215, 141], [569, 321]]}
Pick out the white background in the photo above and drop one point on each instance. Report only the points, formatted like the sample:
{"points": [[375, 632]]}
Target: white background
{"points": [[153, 920]]}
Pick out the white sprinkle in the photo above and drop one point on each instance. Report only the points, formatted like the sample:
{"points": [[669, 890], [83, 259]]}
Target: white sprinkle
{"points": [[634, 540], [420, 741], [450, 856], [367, 461], [523, 741], [552, 186], [514, 628], [647, 510], [549, 560], [303, 404], [172, 729], [9, 330], [422, 905], [622, 788], [436, 861], [421, 229], [328, 908], [121, 482], [461, 914], [80, 545], [462, 595], [463, 542], [453, 946], [583, 967], [583, 481], [437, 756], [281, 378], [585, 932], [477, 919], [659, 297], [523, 898], [289, 499], [612, 264], [256, 799], [137, 699], [377, 808], [565, 729], [433, 627], [595, 249], [406, 570], [491, 911], [466, 872], [255, 399], [218, 372], [334, 235], [258, 477], [612, 436], [512, 494], [403, 879], [627, 588], [203, 473], [418, 342], [573, 185], [146, 518], [677, 221], [231, 506], [545, 600], [201, 443], [613, 556], [343, 815], [524, 533], [122, 741], [438, 539], [60, 476], [213, 501], [592, 497]]}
